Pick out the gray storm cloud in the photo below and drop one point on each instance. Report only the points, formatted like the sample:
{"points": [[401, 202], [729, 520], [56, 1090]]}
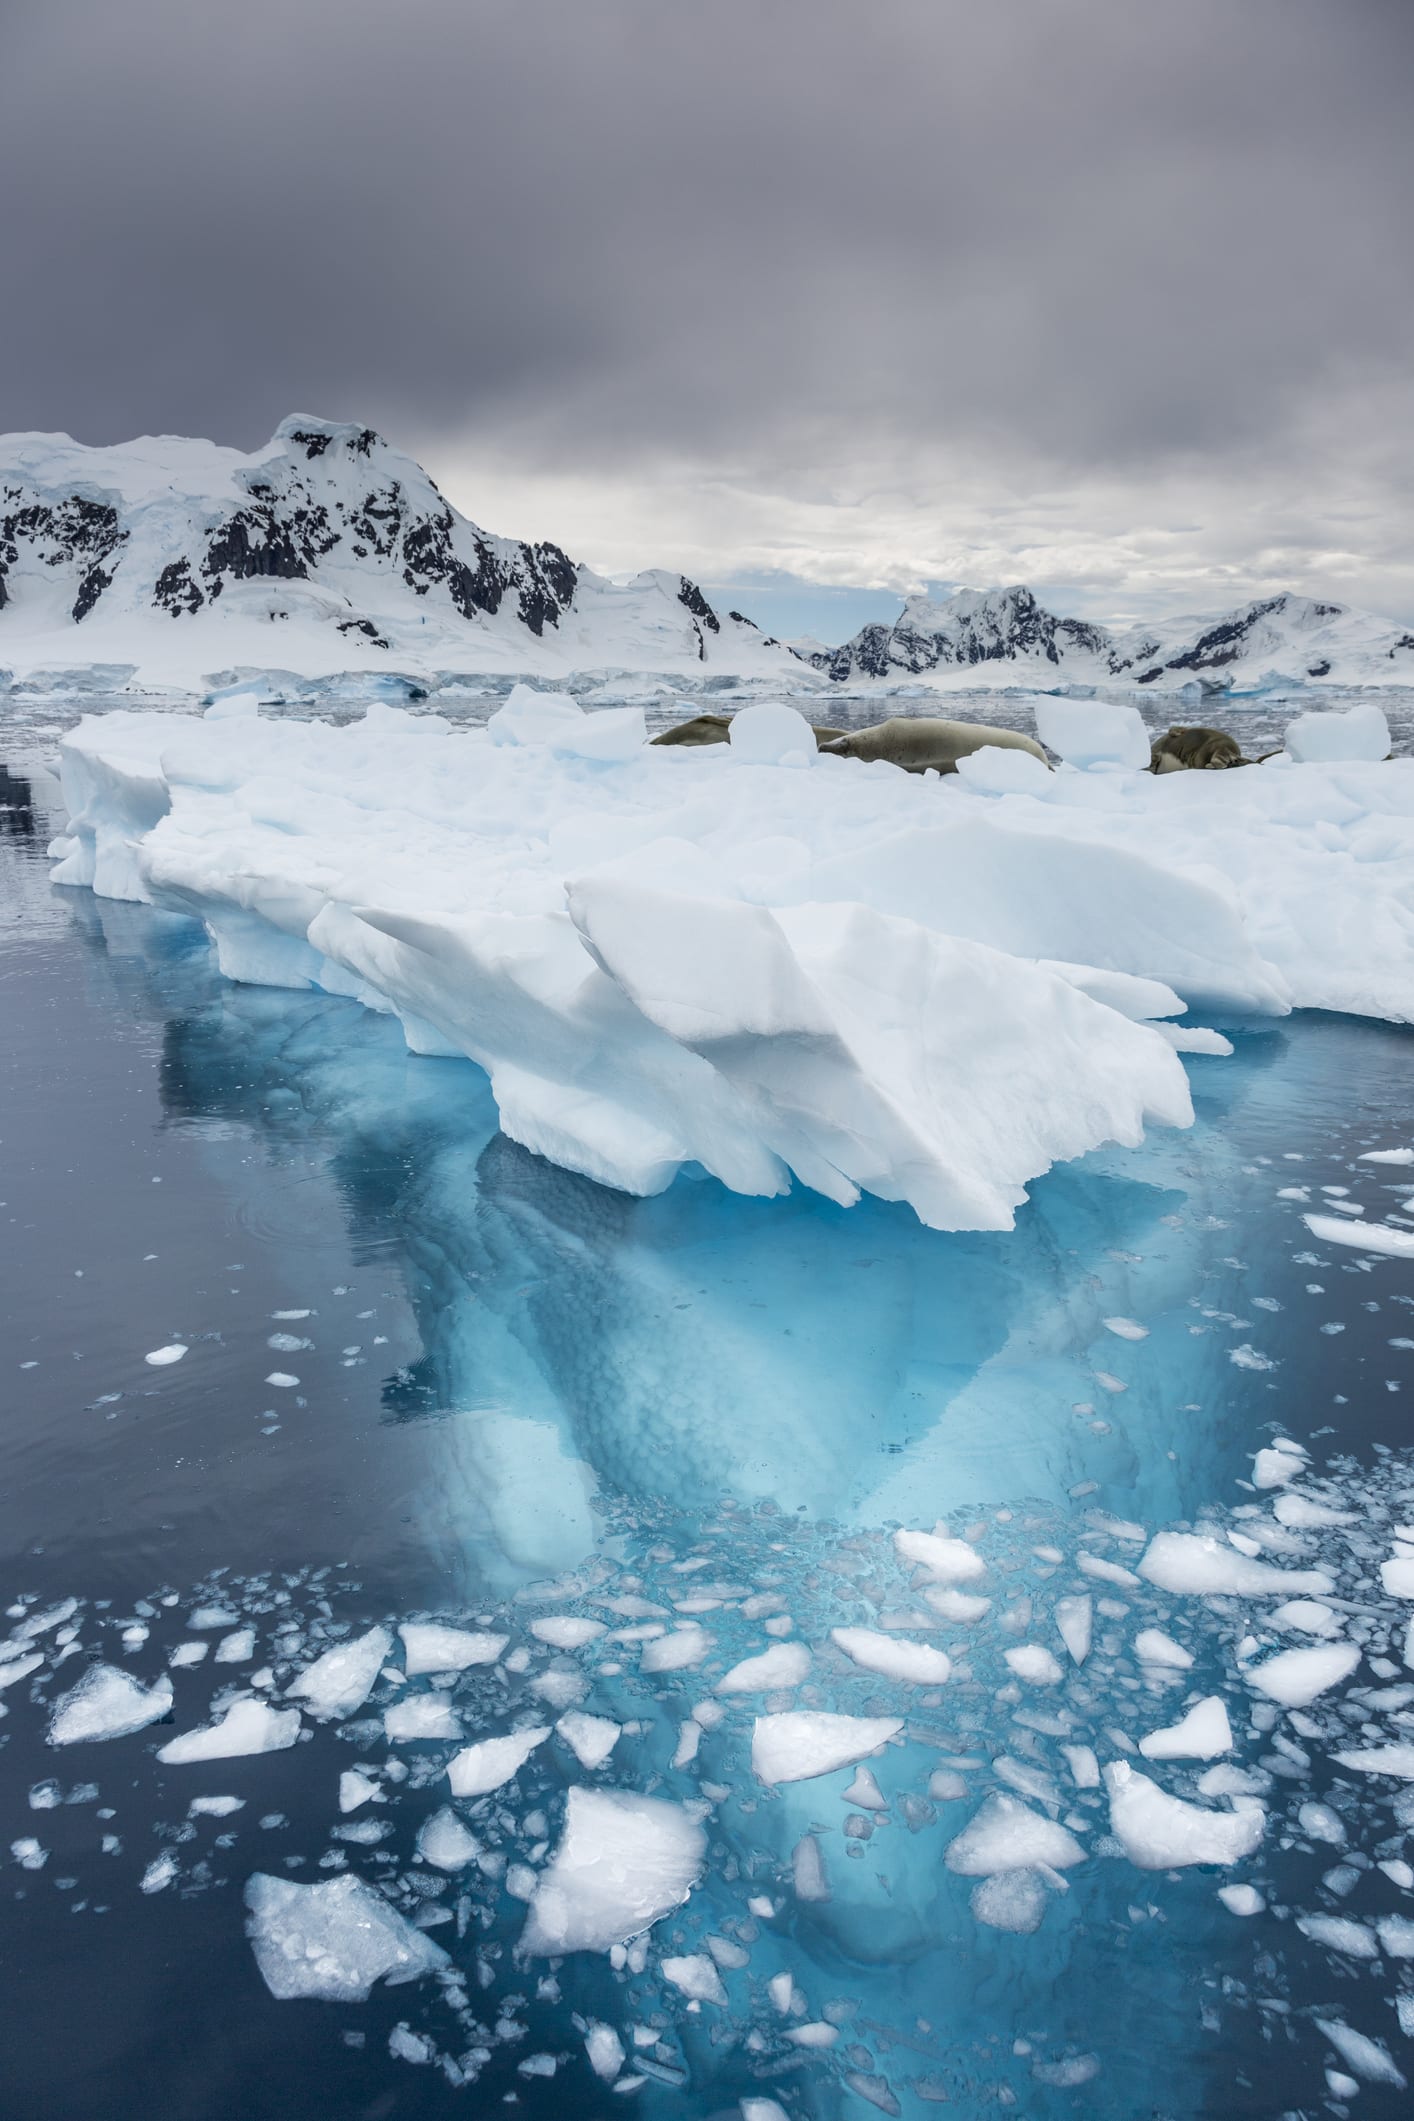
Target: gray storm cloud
{"points": [[804, 243]]}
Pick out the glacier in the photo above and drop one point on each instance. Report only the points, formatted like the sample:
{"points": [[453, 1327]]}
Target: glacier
{"points": [[756, 961]]}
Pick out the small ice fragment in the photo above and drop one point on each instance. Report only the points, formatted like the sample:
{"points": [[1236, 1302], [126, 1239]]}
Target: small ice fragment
{"points": [[159, 1873], [1200, 1735], [566, 1631], [946, 1560], [338, 1683], [355, 1789], [1396, 1934], [697, 1977], [446, 1843], [785, 1664], [960, 1606], [160, 1357], [680, 1650], [430, 1647], [332, 1940], [865, 1792], [1241, 1899], [1159, 1832], [1152, 1646], [1075, 1622], [1033, 1662], [913, 1663], [107, 1703], [604, 2049], [1295, 1678], [689, 1738], [1397, 1576], [1014, 1901], [1306, 1614], [493, 1761], [815, 2033], [236, 1648], [802, 1743], [1277, 1465], [1126, 1328], [1387, 1156], [212, 1616], [247, 1727], [21, 1667], [1084, 1767], [1395, 1760], [1196, 1565], [420, 1716], [590, 1738], [215, 1807], [28, 1853], [1322, 1824], [1339, 1934], [1366, 2057], [1362, 1236], [188, 1653], [1006, 1835], [623, 1861]]}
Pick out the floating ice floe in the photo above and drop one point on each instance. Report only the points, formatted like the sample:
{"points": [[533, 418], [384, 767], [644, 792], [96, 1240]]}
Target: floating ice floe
{"points": [[248, 1726], [947, 1560], [338, 1683], [476, 1769], [1296, 1678], [785, 1664], [1159, 1832], [420, 1716], [428, 1646], [1007, 1835], [1196, 1565], [444, 1841], [623, 1862], [893, 1656], [590, 1738], [799, 1744], [332, 1940], [1362, 1236], [108, 1703], [1202, 1734]]}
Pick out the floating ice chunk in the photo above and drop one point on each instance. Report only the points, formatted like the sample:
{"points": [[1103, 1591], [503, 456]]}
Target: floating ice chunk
{"points": [[785, 1664], [697, 1977], [1125, 1328], [212, 1616], [1277, 1465], [159, 1873], [1387, 1156], [566, 1631], [1366, 2057], [283, 1380], [446, 1843], [1033, 1662], [1006, 1835], [1194, 1564], [590, 1738], [960, 1606], [28, 1853], [1396, 1934], [1362, 1236], [339, 1682], [865, 1792], [20, 1668], [1304, 1513], [1075, 1619], [237, 1647], [215, 1807], [946, 1560], [807, 1870], [493, 1761], [1322, 1824], [332, 1940], [689, 1739], [623, 1862], [188, 1653], [913, 1663], [1010, 1900], [1084, 1767], [799, 1744], [1297, 1677], [1088, 733], [430, 1647], [762, 2110], [247, 1727], [1200, 1735], [1152, 1646], [680, 1650], [1397, 1576], [1394, 1760], [1160, 1833], [605, 2050], [1332, 738], [420, 1716], [355, 1789], [107, 1703], [1241, 1899], [160, 1357], [1105, 1571]]}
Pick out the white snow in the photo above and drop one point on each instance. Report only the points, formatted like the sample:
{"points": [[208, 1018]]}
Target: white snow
{"points": [[339, 1682], [1006, 1835], [893, 1656], [332, 1940], [590, 1738], [430, 1647], [1201, 1734], [492, 1761], [1159, 1832], [247, 1727], [799, 1744], [108, 1703], [784, 1664], [1093, 733], [1195, 1564], [623, 1861], [1295, 1678], [445, 1842]]}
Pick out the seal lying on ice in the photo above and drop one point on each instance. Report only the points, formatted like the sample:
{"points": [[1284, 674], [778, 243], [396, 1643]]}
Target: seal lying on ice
{"points": [[716, 729], [918, 742], [1201, 750]]}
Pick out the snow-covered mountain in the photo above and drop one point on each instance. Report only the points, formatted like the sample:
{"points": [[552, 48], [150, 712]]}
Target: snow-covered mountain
{"points": [[180, 562], [1003, 637]]}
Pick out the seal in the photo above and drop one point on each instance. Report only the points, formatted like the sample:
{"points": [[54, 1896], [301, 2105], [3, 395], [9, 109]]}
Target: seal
{"points": [[716, 729], [924, 743], [1182, 750]]}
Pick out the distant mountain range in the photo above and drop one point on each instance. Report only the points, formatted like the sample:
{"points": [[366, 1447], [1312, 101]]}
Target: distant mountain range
{"points": [[166, 564]]}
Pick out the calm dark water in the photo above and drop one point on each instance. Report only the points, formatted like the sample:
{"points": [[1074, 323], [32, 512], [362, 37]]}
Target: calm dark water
{"points": [[502, 1374]]}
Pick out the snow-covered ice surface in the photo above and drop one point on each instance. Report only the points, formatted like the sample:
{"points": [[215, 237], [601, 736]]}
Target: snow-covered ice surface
{"points": [[565, 1424]]}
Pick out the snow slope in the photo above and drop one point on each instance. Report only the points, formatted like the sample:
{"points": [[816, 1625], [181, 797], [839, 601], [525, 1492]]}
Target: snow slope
{"points": [[754, 959], [1003, 636], [172, 564]]}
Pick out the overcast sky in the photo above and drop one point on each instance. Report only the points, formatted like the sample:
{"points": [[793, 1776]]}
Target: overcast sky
{"points": [[1113, 296]]}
